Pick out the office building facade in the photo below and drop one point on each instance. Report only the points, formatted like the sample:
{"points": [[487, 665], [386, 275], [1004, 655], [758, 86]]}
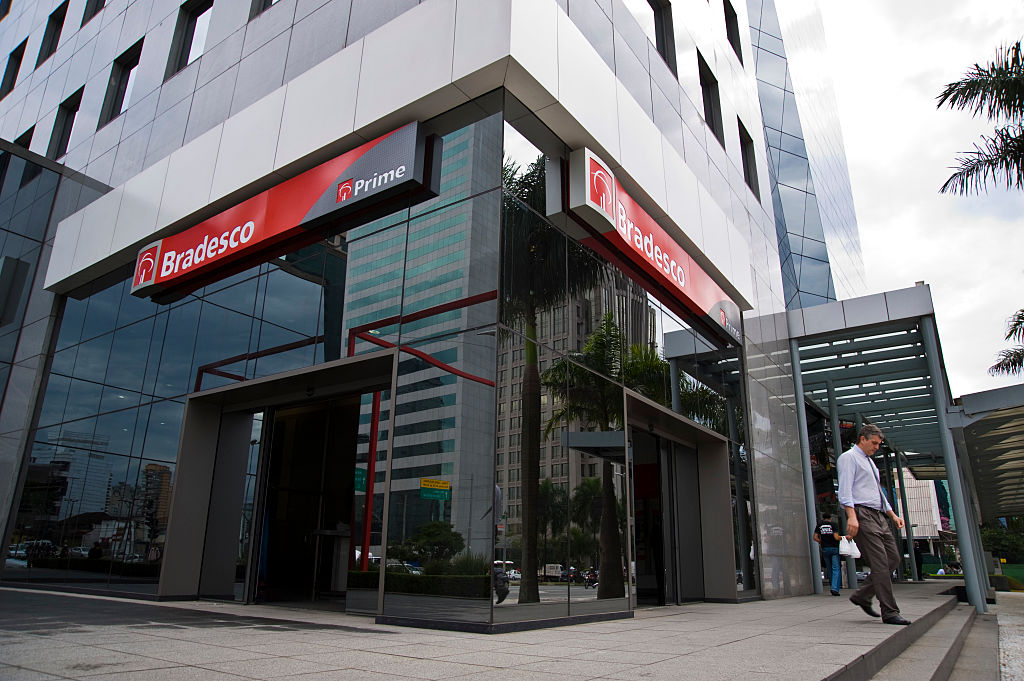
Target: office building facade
{"points": [[364, 296]]}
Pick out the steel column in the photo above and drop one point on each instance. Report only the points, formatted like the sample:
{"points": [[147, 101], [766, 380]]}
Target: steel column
{"points": [[976, 588], [837, 447], [673, 375], [908, 526], [805, 456]]}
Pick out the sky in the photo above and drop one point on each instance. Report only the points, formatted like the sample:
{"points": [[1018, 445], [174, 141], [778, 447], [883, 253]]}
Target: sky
{"points": [[889, 62]]}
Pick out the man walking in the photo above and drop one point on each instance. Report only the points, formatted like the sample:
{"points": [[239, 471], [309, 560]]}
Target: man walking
{"points": [[826, 535], [866, 509]]}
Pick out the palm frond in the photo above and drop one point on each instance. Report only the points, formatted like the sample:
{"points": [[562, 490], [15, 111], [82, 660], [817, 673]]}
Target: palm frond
{"points": [[995, 89], [1011, 362], [1015, 327], [998, 158]]}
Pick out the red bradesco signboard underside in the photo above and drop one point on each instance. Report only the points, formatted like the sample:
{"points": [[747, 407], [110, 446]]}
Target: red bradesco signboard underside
{"points": [[260, 227]]}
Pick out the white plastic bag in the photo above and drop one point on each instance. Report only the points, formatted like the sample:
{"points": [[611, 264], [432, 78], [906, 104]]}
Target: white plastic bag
{"points": [[848, 547]]}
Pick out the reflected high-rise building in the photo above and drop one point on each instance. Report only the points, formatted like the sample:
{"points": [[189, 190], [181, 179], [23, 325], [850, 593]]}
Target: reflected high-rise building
{"points": [[819, 244]]}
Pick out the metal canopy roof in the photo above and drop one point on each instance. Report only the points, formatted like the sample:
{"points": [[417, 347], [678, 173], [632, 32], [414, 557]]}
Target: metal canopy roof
{"points": [[870, 352], [989, 427]]}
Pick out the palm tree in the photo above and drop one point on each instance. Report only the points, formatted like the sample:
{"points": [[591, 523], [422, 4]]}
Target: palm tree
{"points": [[995, 90], [539, 272], [1012, 361]]}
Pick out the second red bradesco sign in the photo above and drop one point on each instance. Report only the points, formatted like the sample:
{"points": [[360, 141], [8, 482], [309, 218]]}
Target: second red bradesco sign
{"points": [[622, 225], [403, 164]]}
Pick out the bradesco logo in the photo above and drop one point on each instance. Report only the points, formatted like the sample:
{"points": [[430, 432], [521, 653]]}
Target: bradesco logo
{"points": [[601, 186], [145, 265], [352, 188], [179, 262]]}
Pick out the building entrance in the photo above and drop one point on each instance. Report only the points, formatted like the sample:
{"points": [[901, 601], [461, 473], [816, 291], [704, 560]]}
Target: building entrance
{"points": [[307, 477], [669, 553]]}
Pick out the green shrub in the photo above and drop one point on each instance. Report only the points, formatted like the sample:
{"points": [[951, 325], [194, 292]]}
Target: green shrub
{"points": [[470, 564], [102, 565], [463, 586]]}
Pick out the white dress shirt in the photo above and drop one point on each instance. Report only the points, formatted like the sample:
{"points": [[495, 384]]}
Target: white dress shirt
{"points": [[858, 481]]}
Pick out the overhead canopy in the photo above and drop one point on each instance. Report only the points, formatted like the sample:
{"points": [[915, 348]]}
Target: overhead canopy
{"points": [[870, 353], [989, 427]]}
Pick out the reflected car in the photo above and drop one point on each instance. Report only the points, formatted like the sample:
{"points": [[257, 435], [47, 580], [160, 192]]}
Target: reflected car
{"points": [[79, 552], [514, 575], [414, 569]]}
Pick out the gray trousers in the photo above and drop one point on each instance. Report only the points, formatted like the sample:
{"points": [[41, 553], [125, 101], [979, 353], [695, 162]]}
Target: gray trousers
{"points": [[877, 548]]}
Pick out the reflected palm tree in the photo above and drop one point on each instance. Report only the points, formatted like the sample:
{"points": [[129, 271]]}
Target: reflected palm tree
{"points": [[588, 390], [540, 273]]}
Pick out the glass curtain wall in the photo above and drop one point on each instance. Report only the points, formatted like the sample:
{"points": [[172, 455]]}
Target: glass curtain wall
{"points": [[576, 330]]}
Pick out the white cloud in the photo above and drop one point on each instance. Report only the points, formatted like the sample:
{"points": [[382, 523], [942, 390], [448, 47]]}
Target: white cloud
{"points": [[890, 61]]}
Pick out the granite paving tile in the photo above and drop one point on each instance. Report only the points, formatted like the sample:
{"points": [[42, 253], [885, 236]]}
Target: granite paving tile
{"points": [[573, 667], [495, 659], [87, 661], [269, 668], [179, 673], [184, 652], [8, 673], [286, 648], [628, 656]]}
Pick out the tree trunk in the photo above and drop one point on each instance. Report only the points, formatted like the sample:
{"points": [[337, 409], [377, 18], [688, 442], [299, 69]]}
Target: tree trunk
{"points": [[610, 584], [529, 591]]}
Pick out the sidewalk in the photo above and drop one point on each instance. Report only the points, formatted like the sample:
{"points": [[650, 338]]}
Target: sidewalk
{"points": [[1010, 613], [46, 635]]}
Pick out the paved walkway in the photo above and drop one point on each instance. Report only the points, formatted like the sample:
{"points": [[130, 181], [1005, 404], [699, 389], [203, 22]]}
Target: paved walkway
{"points": [[1010, 613], [63, 636]]}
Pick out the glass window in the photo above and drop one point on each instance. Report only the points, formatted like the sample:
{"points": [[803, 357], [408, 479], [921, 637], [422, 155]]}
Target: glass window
{"points": [[51, 37], [189, 35], [120, 85], [712, 100], [11, 72], [92, 8]]}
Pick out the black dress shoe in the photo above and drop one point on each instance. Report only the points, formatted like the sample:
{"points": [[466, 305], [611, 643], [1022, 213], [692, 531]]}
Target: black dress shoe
{"points": [[866, 607], [895, 619], [834, 592]]}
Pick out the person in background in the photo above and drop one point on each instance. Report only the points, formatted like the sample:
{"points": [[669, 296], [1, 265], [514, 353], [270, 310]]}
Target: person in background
{"points": [[826, 535]]}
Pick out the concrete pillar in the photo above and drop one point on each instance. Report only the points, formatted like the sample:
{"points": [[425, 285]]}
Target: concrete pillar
{"points": [[227, 492], [977, 582], [805, 456], [190, 501]]}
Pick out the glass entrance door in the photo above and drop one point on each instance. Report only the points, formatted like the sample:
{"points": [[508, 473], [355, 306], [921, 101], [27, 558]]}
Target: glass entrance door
{"points": [[304, 550]]}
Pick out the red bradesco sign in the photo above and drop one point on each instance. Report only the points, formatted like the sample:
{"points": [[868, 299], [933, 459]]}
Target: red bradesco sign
{"points": [[626, 228], [401, 164]]}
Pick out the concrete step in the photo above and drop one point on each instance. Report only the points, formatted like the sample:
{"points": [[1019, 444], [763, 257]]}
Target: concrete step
{"points": [[933, 655], [979, 658]]}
